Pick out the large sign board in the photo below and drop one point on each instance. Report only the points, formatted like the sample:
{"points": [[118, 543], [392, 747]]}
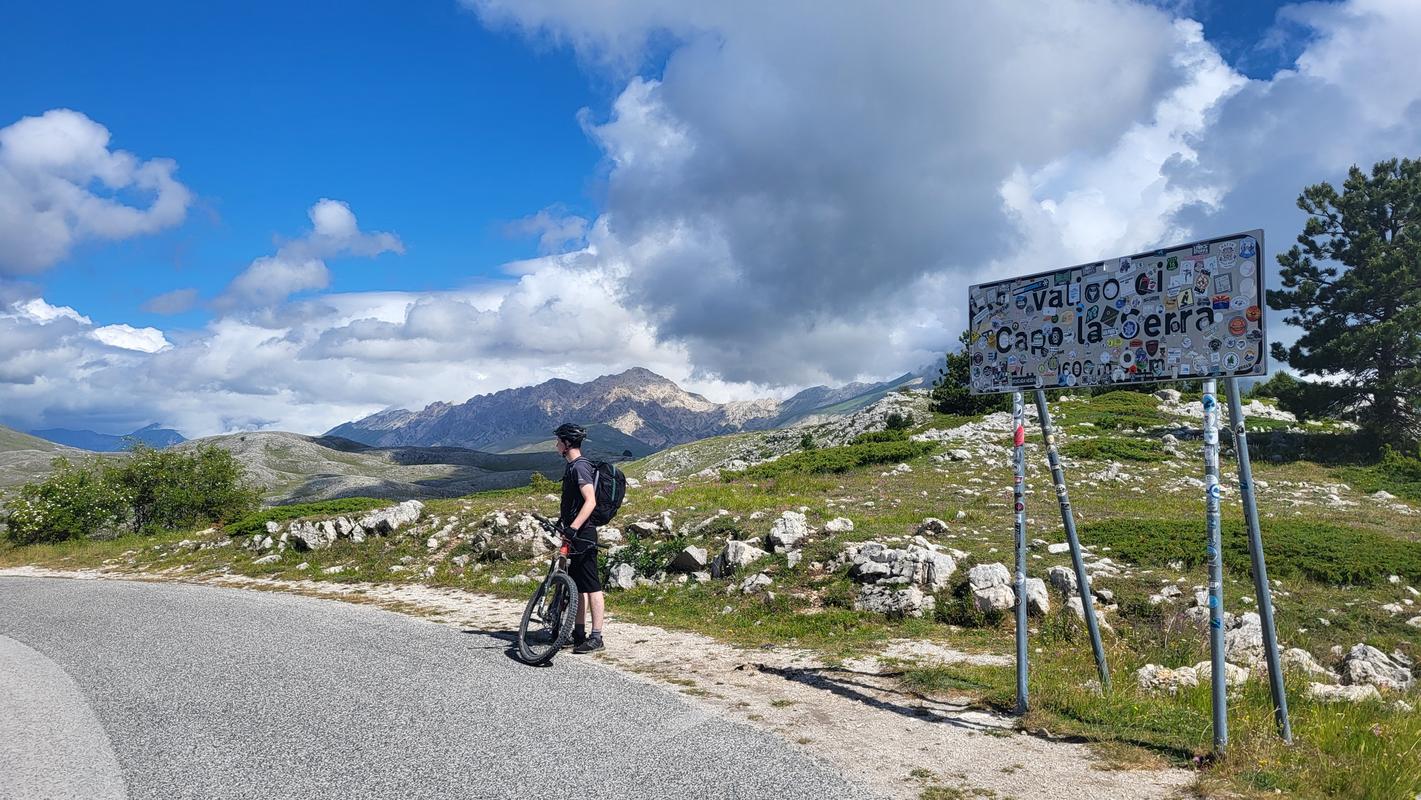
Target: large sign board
{"points": [[1188, 311]]}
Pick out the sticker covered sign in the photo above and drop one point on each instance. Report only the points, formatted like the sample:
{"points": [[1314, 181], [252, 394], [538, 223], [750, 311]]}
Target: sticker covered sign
{"points": [[1188, 311]]}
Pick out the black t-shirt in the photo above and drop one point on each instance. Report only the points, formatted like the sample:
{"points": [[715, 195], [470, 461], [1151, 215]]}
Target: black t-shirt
{"points": [[578, 474]]}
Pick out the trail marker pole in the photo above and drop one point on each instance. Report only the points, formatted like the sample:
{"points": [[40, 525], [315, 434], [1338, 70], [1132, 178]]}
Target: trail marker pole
{"points": [[1058, 477], [1218, 677], [1260, 570], [1018, 407]]}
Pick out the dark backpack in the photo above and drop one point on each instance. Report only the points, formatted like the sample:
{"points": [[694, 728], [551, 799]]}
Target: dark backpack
{"points": [[611, 489]]}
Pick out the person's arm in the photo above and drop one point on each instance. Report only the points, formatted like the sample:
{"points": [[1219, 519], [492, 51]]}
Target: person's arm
{"points": [[589, 504]]}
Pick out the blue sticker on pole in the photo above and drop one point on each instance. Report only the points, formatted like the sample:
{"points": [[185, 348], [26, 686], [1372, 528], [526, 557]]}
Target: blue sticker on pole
{"points": [[1208, 402]]}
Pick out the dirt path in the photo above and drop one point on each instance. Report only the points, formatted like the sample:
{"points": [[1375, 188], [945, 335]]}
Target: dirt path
{"points": [[851, 716]]}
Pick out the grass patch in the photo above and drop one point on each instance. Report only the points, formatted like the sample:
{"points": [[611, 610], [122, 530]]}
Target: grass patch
{"points": [[256, 522], [837, 459], [1396, 473], [1117, 410], [1115, 448], [1324, 553]]}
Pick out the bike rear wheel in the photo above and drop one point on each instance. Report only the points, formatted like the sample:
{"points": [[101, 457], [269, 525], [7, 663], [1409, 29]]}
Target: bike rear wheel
{"points": [[548, 620]]}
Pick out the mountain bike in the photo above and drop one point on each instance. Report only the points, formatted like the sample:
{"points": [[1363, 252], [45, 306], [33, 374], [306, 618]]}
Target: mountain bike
{"points": [[552, 610]]}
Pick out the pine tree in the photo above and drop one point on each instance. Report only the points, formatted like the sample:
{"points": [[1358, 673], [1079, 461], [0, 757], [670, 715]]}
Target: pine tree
{"points": [[1353, 284]]}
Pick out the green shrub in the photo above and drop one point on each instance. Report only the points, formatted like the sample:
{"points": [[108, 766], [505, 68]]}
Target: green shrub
{"points": [[1324, 553], [1119, 409], [899, 422], [836, 459], [806, 442], [174, 489], [1115, 448], [890, 435], [256, 522], [647, 556], [73, 502], [542, 484]]}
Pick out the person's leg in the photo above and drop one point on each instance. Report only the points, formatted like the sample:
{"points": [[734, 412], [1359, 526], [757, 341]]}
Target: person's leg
{"points": [[595, 599]]}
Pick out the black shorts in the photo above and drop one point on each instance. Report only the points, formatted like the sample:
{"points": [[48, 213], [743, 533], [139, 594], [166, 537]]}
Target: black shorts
{"points": [[583, 561]]}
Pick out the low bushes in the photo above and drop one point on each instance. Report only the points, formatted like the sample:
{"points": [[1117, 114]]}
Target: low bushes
{"points": [[1324, 553], [151, 491], [837, 459], [1115, 448]]}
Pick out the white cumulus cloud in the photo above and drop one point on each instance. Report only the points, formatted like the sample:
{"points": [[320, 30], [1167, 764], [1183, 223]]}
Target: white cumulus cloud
{"points": [[60, 184]]}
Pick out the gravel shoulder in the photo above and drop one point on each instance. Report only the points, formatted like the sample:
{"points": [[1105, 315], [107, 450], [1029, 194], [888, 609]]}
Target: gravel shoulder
{"points": [[851, 717]]}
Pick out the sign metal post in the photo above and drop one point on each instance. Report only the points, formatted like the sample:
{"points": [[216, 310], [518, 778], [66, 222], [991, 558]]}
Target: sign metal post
{"points": [[1058, 477], [1218, 675], [1018, 407], [1260, 570]]}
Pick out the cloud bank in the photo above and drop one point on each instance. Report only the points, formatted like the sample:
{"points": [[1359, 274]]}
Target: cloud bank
{"points": [[794, 193]]}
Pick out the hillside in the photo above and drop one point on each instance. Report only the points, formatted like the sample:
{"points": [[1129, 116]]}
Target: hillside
{"points": [[296, 468], [22, 456], [637, 410], [884, 559]]}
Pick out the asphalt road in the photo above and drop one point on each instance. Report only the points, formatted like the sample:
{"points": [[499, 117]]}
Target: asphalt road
{"points": [[113, 689]]}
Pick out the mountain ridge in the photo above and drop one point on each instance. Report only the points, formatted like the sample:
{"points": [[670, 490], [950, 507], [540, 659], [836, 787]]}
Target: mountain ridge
{"points": [[652, 411]]}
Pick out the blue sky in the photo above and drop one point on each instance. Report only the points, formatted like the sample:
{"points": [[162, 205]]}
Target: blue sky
{"points": [[418, 116], [748, 198]]}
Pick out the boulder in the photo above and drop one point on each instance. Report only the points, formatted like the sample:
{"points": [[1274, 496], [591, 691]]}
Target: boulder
{"points": [[1234, 675], [655, 476], [1366, 665], [269, 559], [692, 559], [309, 536], [1414, 622], [644, 528], [1329, 693], [1243, 644], [1038, 603], [793, 557], [991, 587], [1058, 548], [931, 525], [909, 602], [1063, 580], [1168, 395], [1155, 678], [839, 525], [667, 524], [1296, 659], [787, 531], [622, 576], [755, 583], [868, 571], [736, 554], [272, 526], [384, 521]]}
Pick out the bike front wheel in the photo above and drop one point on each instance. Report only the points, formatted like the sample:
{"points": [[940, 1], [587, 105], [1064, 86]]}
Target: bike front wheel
{"points": [[548, 620]]}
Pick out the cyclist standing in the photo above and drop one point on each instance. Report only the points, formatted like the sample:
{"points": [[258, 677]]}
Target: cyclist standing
{"points": [[579, 499]]}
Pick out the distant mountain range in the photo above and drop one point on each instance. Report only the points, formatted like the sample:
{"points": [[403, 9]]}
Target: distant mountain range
{"points": [[636, 411], [152, 435]]}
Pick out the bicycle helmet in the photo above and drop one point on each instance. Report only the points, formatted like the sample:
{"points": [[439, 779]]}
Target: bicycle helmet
{"points": [[571, 434]]}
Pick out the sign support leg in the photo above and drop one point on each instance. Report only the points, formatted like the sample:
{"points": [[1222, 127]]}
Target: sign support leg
{"points": [[1260, 570], [1068, 521], [1018, 406], [1218, 679]]}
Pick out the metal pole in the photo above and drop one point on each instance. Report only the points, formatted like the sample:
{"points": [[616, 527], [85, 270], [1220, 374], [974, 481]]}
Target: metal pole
{"points": [[1058, 476], [1260, 570], [1216, 564], [1018, 407]]}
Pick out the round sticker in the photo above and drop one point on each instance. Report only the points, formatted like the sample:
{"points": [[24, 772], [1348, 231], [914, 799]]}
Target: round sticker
{"points": [[1130, 328], [1246, 269], [1247, 288], [1231, 361], [1237, 326], [1127, 358], [1186, 343], [1105, 357], [1254, 314]]}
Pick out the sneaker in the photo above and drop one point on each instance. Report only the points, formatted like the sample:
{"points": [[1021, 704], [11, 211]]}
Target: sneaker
{"points": [[579, 636], [593, 644]]}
